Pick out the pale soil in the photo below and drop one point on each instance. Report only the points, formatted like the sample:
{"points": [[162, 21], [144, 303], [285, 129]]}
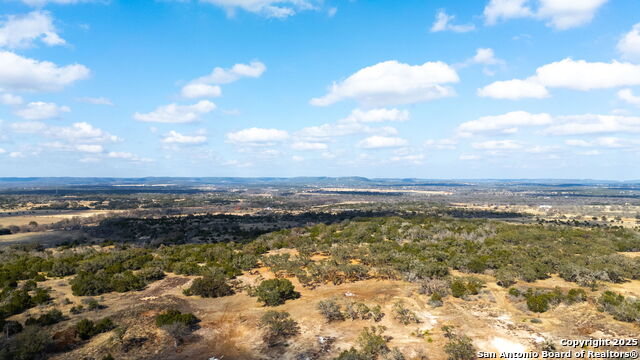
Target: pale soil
{"points": [[48, 216], [229, 325]]}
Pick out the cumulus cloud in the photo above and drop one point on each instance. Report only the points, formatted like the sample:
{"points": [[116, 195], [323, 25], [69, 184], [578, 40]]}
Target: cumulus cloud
{"points": [[381, 142], [268, 8], [174, 137], [497, 145], [77, 133], [41, 110], [195, 90], [443, 23], [593, 124], [558, 14], [18, 31], [257, 136], [497, 10], [96, 101], [514, 90], [10, 99], [307, 146], [485, 56], [174, 113], [391, 83], [569, 74], [628, 96], [583, 75], [82, 132], [629, 44], [506, 123], [208, 85], [18, 73]]}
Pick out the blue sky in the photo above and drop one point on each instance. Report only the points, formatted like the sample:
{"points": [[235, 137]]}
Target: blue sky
{"points": [[429, 89]]}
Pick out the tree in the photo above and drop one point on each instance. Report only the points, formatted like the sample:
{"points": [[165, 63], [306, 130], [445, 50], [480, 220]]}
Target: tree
{"points": [[275, 292]]}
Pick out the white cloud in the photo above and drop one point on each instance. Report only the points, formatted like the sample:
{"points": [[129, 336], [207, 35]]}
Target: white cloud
{"points": [[82, 132], [22, 30], [594, 124], [380, 142], [566, 14], [469, 157], [219, 75], [569, 74], [415, 159], [304, 146], [331, 130], [174, 113], [514, 89], [297, 158], [86, 148], [196, 90], [77, 133], [257, 136], [497, 145], [485, 56], [442, 144], [506, 123], [559, 14], [443, 23], [40, 3], [28, 127], [96, 101], [392, 82], [605, 142], [628, 96], [20, 73], [497, 10], [175, 137], [207, 86], [17, 154], [10, 99], [268, 8], [127, 156], [41, 110], [629, 44], [2, 151], [582, 75], [377, 115]]}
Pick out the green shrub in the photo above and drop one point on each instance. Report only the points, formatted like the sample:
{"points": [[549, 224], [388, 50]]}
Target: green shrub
{"points": [[403, 314], [52, 317], [278, 326], [331, 310], [174, 316], [460, 348], [275, 292], [458, 288], [87, 329], [211, 285], [538, 302]]}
